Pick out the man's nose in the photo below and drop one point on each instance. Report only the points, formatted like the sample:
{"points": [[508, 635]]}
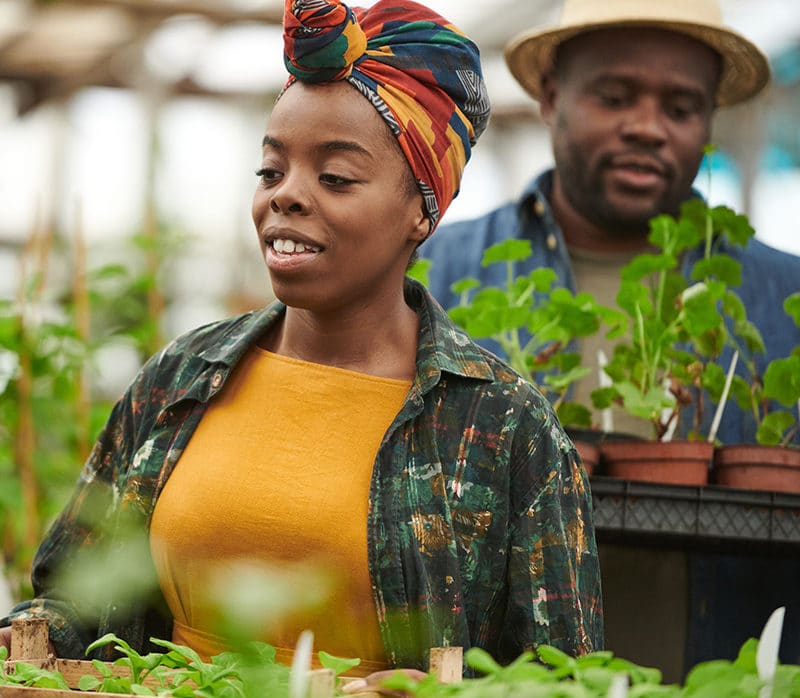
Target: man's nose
{"points": [[645, 121]]}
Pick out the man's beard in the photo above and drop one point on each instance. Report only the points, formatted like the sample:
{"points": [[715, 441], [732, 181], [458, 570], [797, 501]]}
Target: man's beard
{"points": [[585, 189]]}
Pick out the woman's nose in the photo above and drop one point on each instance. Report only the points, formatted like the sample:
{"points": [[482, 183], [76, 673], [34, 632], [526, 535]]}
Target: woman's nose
{"points": [[289, 195]]}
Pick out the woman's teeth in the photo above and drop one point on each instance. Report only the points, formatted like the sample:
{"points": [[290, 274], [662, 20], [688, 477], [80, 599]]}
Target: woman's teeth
{"points": [[285, 246]]}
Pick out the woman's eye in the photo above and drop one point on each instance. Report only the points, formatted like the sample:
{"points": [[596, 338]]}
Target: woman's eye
{"points": [[268, 175], [334, 180]]}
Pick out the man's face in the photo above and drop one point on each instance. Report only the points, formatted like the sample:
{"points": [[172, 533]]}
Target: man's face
{"points": [[629, 112]]}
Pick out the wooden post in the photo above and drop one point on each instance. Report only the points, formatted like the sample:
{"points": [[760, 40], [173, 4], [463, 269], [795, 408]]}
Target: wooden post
{"points": [[447, 663], [321, 683], [29, 639]]}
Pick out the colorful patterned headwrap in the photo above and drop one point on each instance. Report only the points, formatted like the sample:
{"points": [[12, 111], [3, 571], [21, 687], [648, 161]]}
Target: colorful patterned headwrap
{"points": [[421, 73]]}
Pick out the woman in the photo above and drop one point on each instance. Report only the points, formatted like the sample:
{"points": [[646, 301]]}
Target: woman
{"points": [[351, 422]]}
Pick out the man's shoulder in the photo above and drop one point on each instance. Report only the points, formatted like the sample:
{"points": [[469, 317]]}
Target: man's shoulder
{"points": [[759, 251]]}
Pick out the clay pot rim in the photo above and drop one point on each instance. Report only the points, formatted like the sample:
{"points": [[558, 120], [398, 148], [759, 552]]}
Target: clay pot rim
{"points": [[737, 455], [694, 449]]}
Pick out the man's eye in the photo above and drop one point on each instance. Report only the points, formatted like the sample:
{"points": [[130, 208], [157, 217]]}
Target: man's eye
{"points": [[613, 99], [268, 175], [682, 110]]}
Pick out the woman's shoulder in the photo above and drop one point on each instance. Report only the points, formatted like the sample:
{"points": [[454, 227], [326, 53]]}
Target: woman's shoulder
{"points": [[221, 341]]}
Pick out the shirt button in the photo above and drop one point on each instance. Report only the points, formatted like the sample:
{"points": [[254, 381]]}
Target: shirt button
{"points": [[552, 243], [538, 208], [216, 381]]}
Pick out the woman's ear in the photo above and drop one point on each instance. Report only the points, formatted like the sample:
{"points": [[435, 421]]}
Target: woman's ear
{"points": [[422, 225]]}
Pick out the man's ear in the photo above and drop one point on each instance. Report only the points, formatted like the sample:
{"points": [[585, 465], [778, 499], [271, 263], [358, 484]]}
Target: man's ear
{"points": [[548, 96]]}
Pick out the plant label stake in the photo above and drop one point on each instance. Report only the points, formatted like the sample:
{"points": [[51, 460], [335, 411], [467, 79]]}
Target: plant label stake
{"points": [[767, 653], [618, 687], [712, 433], [301, 665]]}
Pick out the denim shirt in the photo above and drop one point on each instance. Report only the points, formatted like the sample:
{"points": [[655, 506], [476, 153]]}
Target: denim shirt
{"points": [[768, 277]]}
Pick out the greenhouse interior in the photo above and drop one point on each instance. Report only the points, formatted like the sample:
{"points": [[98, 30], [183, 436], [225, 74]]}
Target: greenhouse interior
{"points": [[130, 131]]}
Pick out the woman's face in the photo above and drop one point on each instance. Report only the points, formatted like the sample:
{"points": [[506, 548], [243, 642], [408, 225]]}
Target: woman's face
{"points": [[336, 218]]}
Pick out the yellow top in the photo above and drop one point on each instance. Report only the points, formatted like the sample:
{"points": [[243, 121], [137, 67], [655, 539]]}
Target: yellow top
{"points": [[275, 481]]}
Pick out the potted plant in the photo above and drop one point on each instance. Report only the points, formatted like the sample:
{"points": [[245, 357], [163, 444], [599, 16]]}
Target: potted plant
{"points": [[678, 331], [773, 400], [535, 324]]}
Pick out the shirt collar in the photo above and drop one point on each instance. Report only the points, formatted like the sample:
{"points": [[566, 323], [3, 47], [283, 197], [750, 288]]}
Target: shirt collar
{"points": [[442, 348], [242, 334]]}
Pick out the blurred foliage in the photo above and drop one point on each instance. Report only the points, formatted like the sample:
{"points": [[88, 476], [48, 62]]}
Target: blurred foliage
{"points": [[49, 412]]}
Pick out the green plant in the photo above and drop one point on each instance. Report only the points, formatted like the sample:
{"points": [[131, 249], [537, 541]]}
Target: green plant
{"points": [[546, 673], [534, 323], [49, 413], [780, 385], [678, 326]]}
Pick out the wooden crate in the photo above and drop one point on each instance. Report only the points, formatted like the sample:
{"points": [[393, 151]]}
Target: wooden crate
{"points": [[29, 643]]}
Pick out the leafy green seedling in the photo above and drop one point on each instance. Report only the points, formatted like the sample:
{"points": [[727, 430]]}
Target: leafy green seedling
{"points": [[535, 323]]}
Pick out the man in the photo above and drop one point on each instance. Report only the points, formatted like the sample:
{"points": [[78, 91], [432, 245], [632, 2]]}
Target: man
{"points": [[628, 97]]}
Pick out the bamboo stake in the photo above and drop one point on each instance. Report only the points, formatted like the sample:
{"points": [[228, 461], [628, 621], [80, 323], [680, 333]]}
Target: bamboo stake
{"points": [[155, 298], [80, 300], [25, 436]]}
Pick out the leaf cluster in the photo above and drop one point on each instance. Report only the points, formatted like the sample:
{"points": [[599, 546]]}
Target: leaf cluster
{"points": [[546, 673], [679, 327], [774, 398], [535, 323]]}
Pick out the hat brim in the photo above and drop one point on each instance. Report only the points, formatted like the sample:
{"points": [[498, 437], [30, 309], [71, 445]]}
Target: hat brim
{"points": [[745, 69]]}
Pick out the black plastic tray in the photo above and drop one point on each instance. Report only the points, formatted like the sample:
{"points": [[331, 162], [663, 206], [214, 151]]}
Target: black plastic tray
{"points": [[702, 515]]}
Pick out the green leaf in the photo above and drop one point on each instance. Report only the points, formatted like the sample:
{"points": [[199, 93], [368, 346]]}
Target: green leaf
{"points": [[782, 381], [633, 295], [792, 307], [734, 226], [464, 285], [645, 264], [646, 405], [733, 307], [574, 414], [699, 314], [554, 656], [420, 271], [511, 250], [603, 397], [772, 428], [543, 279], [88, 683], [713, 380], [749, 334], [480, 660], [339, 665], [720, 267]]}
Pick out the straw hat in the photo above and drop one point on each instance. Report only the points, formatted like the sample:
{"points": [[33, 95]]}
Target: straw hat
{"points": [[745, 70]]}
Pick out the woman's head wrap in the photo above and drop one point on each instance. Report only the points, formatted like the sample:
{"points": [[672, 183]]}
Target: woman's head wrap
{"points": [[421, 73]]}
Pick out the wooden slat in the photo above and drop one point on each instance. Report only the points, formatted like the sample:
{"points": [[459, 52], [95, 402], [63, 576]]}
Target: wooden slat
{"points": [[30, 692]]}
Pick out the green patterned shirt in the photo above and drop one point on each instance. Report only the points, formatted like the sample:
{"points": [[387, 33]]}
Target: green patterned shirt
{"points": [[480, 521]]}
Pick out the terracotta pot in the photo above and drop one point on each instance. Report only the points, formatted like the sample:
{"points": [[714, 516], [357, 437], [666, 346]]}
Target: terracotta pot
{"points": [[588, 442], [673, 462], [589, 453], [755, 467]]}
